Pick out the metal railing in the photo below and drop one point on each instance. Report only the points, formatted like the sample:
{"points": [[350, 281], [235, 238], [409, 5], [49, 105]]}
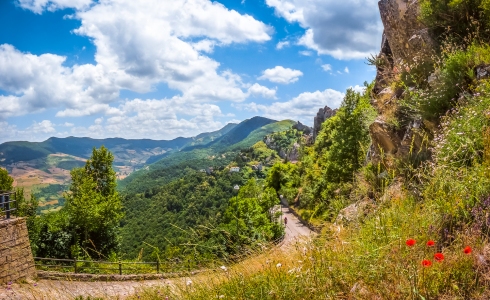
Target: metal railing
{"points": [[130, 268], [78, 266], [5, 204]]}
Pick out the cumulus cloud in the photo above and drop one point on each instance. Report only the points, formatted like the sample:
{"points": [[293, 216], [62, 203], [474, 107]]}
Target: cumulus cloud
{"points": [[349, 29], [346, 70], [139, 44], [282, 44], [258, 90], [40, 82], [358, 88], [280, 74], [327, 67], [38, 6], [302, 108], [36, 132], [156, 118], [44, 126]]}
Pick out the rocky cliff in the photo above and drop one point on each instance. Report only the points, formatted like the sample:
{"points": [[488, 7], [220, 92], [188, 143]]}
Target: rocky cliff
{"points": [[406, 44], [321, 116]]}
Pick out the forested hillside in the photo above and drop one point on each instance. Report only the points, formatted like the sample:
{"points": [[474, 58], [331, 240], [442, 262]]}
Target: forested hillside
{"points": [[218, 153], [189, 204], [399, 177]]}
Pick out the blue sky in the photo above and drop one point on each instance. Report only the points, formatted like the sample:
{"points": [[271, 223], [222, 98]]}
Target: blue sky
{"points": [[162, 69]]}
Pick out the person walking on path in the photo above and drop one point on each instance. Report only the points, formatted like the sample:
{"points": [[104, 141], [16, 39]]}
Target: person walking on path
{"points": [[285, 221]]}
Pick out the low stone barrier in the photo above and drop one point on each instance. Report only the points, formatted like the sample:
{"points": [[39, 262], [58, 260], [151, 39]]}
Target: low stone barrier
{"points": [[16, 261]]}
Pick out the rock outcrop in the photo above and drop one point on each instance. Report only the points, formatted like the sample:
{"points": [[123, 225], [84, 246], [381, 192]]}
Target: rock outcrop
{"points": [[408, 39], [406, 44], [301, 127], [322, 115]]}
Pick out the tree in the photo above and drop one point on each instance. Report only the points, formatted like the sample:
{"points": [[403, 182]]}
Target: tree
{"points": [[5, 180], [343, 141], [28, 210], [93, 205]]}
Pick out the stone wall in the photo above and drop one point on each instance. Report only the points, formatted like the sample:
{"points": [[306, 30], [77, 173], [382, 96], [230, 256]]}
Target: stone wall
{"points": [[16, 261]]}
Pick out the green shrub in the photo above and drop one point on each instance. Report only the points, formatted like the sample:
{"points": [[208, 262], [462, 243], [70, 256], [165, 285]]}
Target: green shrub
{"points": [[460, 21], [454, 77]]}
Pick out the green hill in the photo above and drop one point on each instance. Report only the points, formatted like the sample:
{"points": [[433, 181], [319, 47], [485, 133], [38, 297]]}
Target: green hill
{"points": [[218, 153]]}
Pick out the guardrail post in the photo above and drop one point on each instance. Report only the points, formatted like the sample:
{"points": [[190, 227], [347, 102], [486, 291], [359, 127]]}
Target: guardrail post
{"points": [[7, 206], [158, 266], [120, 268], [75, 265]]}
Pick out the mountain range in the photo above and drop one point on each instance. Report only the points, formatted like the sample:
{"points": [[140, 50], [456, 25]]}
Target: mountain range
{"points": [[43, 167]]}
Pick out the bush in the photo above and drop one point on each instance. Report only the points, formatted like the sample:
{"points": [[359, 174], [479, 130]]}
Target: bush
{"points": [[454, 78], [460, 21]]}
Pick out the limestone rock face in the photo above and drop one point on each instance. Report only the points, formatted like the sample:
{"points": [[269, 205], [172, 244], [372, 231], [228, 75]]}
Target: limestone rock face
{"points": [[408, 38], [301, 127], [321, 116], [293, 154], [385, 65], [384, 137]]}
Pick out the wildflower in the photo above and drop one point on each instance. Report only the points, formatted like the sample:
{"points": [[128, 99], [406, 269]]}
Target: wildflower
{"points": [[224, 268], [467, 250], [426, 263], [410, 242], [189, 282], [439, 256], [278, 265], [430, 243]]}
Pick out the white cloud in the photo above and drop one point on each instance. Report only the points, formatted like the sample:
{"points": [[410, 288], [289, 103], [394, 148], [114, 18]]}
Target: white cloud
{"points": [[139, 44], [155, 118], [358, 88], [349, 29], [283, 44], [346, 70], [39, 82], [36, 132], [280, 74], [38, 6], [303, 107], [306, 53], [44, 126], [262, 91], [327, 67]]}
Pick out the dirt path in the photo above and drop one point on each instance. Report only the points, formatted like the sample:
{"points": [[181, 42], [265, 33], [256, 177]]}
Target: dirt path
{"points": [[60, 290]]}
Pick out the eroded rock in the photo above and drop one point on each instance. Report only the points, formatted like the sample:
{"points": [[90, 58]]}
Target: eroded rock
{"points": [[482, 72], [408, 38], [384, 137], [322, 115]]}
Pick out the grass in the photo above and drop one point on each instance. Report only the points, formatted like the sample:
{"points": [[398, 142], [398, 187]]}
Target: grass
{"points": [[371, 261]]}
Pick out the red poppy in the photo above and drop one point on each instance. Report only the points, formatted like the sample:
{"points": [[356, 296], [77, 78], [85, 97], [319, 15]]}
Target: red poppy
{"points": [[426, 263], [439, 256], [430, 243], [410, 242], [467, 250]]}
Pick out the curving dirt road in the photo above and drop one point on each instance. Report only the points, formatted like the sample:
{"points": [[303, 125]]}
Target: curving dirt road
{"points": [[50, 289]]}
